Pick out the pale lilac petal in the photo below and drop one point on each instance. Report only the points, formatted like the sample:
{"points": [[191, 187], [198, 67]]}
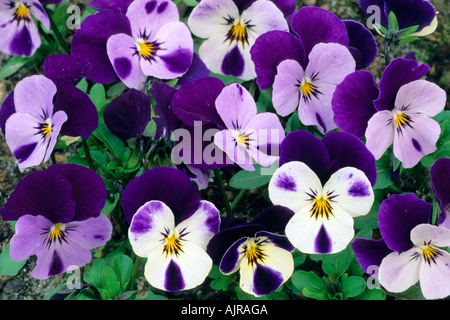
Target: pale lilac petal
{"points": [[40, 106], [435, 277], [28, 238], [235, 106], [330, 62], [285, 94], [125, 60], [379, 133], [413, 142], [174, 56], [427, 233], [264, 16], [150, 15], [19, 38], [226, 141], [90, 233], [421, 96], [39, 13]]}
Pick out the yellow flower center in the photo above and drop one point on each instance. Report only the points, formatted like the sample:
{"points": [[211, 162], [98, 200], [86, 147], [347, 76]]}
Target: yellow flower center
{"points": [[145, 49], [45, 128], [172, 244], [400, 119], [57, 232], [253, 251], [22, 11], [238, 32], [321, 207], [430, 253]]}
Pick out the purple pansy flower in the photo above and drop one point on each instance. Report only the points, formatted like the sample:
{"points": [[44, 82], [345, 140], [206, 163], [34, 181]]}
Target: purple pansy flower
{"points": [[410, 249], [409, 13], [262, 256], [171, 232], [439, 173], [311, 89], [31, 123], [325, 183], [58, 218], [328, 28], [248, 136], [20, 35], [159, 45], [397, 113], [230, 33]]}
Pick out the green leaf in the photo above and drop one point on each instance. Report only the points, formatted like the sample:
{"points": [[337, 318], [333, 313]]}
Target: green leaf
{"points": [[393, 22], [250, 179], [352, 286], [94, 275], [383, 171], [13, 65], [9, 267], [316, 294], [370, 220], [442, 146], [83, 85], [337, 263], [299, 258], [372, 294], [112, 142], [307, 279], [109, 283], [153, 296], [227, 80], [221, 283], [122, 267], [407, 31], [408, 39], [98, 96]]}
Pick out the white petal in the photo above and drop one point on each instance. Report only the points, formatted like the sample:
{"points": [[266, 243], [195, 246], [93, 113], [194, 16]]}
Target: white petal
{"points": [[427, 233], [286, 93], [379, 133], [351, 190], [148, 225], [435, 277], [264, 16], [201, 226], [292, 185], [398, 272]]}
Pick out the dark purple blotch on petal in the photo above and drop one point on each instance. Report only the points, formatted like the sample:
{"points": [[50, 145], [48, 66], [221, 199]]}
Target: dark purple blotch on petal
{"points": [[233, 63], [359, 189], [142, 222], [286, 182], [266, 280], [174, 278], [150, 6], [22, 43], [416, 145], [56, 265], [24, 152], [322, 243], [178, 61], [231, 256], [122, 67], [162, 7]]}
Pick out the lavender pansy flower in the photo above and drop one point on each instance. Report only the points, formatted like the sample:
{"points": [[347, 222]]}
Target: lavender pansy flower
{"points": [[410, 249], [409, 13], [248, 136], [171, 232], [159, 45], [20, 35], [397, 113], [326, 183], [311, 89], [230, 33], [58, 218], [328, 28], [262, 256], [439, 173], [31, 125]]}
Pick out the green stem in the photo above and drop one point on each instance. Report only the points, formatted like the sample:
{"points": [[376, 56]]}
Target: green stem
{"points": [[394, 189], [133, 275], [58, 35], [237, 199], [88, 155], [219, 182], [387, 48]]}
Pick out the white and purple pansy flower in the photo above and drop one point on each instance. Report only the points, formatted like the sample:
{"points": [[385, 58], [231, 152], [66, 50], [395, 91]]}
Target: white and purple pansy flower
{"points": [[43, 106], [58, 213], [256, 249], [411, 250], [249, 137], [398, 112], [172, 232], [20, 35], [230, 33], [159, 45], [326, 183]]}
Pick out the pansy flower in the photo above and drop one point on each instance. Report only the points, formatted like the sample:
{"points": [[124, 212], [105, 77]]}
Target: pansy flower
{"points": [[409, 13], [43, 106], [326, 183], [398, 112], [248, 136], [328, 28], [20, 35], [171, 232], [262, 257], [159, 45], [439, 173], [58, 213], [230, 33], [410, 249]]}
